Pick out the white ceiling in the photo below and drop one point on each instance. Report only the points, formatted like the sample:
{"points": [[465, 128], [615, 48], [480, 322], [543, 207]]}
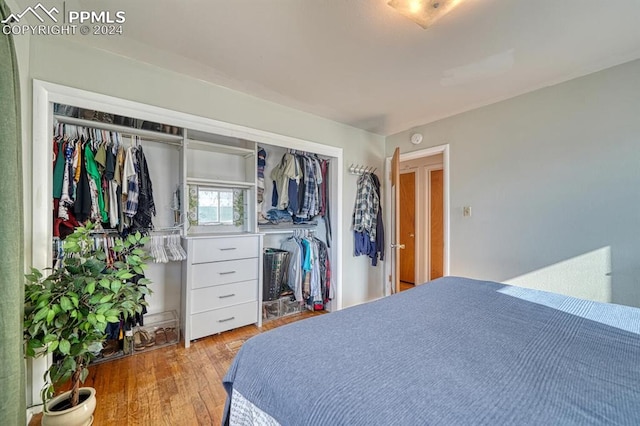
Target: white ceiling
{"points": [[359, 62]]}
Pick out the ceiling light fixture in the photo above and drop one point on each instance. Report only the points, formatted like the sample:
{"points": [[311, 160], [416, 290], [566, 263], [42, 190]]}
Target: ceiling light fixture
{"points": [[424, 12]]}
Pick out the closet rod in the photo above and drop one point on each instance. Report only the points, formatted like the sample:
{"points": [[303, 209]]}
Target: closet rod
{"points": [[129, 131], [155, 230], [167, 229]]}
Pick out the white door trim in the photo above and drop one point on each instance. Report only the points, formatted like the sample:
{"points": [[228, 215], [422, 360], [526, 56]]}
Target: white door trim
{"points": [[427, 152]]}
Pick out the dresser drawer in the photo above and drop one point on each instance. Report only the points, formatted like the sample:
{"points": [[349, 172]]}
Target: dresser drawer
{"points": [[217, 249], [216, 273], [220, 296], [216, 321]]}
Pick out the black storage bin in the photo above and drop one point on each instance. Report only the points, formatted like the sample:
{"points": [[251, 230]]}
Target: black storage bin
{"points": [[276, 263]]}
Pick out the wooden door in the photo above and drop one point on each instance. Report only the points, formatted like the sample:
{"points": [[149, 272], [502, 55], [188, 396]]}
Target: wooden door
{"points": [[395, 225], [436, 225], [408, 227]]}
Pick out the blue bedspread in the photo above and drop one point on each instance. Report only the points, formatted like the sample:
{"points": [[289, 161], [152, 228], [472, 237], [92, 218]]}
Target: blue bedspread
{"points": [[451, 352]]}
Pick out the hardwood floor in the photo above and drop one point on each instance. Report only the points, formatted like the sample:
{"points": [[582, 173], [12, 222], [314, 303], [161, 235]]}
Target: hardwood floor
{"points": [[172, 385], [406, 286]]}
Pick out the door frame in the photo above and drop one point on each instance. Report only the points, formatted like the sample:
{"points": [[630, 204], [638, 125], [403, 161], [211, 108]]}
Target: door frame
{"points": [[427, 231], [446, 210]]}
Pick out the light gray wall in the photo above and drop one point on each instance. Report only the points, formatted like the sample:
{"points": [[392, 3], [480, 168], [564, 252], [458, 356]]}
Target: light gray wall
{"points": [[65, 62], [553, 179]]}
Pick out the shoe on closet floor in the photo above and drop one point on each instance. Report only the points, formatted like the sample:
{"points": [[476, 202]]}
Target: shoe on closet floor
{"points": [[142, 340], [148, 340], [138, 343], [111, 348], [161, 336], [172, 335]]}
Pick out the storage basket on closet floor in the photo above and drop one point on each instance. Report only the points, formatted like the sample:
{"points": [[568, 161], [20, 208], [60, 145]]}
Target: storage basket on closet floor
{"points": [[276, 263], [286, 305]]}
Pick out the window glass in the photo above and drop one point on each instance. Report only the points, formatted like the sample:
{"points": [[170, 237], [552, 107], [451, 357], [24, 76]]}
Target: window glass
{"points": [[226, 207], [215, 206]]}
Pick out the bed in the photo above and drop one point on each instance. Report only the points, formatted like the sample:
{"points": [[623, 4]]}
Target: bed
{"points": [[454, 351]]}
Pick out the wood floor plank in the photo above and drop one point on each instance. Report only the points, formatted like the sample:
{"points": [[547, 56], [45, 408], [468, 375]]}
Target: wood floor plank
{"points": [[171, 385]]}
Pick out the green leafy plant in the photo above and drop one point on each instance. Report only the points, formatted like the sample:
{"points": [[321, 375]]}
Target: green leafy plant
{"points": [[67, 309]]}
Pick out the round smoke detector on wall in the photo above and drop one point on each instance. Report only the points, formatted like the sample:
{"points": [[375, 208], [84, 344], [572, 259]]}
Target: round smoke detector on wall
{"points": [[416, 138]]}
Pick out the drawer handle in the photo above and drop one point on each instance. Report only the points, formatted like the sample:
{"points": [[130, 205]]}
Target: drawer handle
{"points": [[227, 319], [228, 248], [227, 273], [227, 295]]}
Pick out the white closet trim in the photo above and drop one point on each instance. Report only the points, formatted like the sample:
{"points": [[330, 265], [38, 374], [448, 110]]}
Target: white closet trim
{"points": [[45, 93]]}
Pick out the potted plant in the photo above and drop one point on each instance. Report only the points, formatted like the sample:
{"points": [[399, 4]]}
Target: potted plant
{"points": [[67, 310]]}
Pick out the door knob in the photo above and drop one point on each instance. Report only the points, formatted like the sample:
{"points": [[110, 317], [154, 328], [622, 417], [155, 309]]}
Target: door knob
{"points": [[397, 245], [411, 235]]}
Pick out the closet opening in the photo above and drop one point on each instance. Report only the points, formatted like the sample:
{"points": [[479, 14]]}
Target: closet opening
{"points": [[210, 201], [221, 194], [294, 213], [123, 175]]}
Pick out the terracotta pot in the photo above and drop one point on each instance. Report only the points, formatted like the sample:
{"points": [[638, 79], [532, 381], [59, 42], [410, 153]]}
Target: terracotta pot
{"points": [[80, 415]]}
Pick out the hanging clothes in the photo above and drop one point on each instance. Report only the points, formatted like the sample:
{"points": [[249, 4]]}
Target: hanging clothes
{"points": [[379, 249], [324, 270], [82, 205], [68, 184], [262, 162], [120, 182], [300, 187], [146, 206], [309, 206], [96, 178], [110, 175], [58, 169], [309, 271], [98, 212], [294, 271], [368, 229], [280, 175], [130, 188], [327, 211], [365, 212]]}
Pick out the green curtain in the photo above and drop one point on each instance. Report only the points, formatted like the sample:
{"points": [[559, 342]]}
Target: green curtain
{"points": [[12, 375]]}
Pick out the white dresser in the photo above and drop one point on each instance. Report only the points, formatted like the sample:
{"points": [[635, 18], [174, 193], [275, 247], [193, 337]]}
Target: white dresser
{"points": [[222, 284]]}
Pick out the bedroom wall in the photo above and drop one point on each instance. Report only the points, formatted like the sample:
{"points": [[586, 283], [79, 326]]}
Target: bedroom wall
{"points": [[69, 63], [553, 179]]}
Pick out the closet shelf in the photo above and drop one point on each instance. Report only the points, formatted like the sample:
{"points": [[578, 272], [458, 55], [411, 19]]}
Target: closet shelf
{"points": [[220, 183], [220, 148], [125, 130], [284, 229]]}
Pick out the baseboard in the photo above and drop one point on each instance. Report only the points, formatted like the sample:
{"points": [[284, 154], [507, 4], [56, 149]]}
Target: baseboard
{"points": [[365, 301]]}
